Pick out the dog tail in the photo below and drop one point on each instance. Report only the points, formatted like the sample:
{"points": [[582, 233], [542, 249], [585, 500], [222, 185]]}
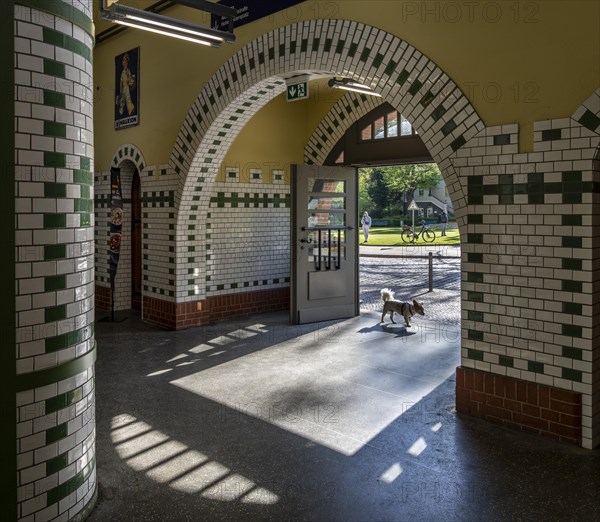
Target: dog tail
{"points": [[387, 295]]}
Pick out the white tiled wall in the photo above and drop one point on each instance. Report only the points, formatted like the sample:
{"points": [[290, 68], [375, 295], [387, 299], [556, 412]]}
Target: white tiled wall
{"points": [[54, 154], [248, 248]]}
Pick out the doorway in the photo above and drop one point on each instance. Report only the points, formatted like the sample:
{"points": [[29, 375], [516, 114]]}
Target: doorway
{"points": [[136, 243]]}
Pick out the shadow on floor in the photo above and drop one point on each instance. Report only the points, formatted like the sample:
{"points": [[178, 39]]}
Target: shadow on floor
{"points": [[256, 419]]}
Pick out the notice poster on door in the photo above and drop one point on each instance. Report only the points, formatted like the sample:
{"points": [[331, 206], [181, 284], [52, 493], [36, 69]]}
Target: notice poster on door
{"points": [[127, 89]]}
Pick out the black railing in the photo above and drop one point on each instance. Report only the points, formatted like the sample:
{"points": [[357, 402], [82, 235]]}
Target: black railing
{"points": [[324, 234]]}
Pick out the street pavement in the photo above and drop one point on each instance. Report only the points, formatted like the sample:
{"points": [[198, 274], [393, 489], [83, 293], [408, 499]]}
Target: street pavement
{"points": [[405, 270]]}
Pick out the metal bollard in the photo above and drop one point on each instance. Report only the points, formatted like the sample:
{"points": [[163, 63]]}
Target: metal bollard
{"points": [[431, 271]]}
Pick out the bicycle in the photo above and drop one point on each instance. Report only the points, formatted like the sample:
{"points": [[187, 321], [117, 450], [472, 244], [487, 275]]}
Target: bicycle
{"points": [[408, 235]]}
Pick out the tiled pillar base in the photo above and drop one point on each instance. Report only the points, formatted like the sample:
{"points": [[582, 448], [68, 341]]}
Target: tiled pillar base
{"points": [[526, 406], [186, 315]]}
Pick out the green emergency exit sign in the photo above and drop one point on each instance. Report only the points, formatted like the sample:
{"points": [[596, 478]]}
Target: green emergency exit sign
{"points": [[297, 91]]}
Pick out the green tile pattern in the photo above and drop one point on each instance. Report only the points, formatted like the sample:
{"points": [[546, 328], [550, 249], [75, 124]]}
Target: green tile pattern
{"points": [[551, 134], [57, 463], [54, 99], [571, 330], [247, 200], [54, 68], [590, 120], [572, 353], [535, 188], [52, 252], [57, 433], [475, 335], [53, 283], [55, 313], [65, 41], [63, 10], [158, 199], [473, 315], [55, 220], [55, 190], [502, 139], [55, 129], [72, 485], [63, 400], [536, 367], [476, 355], [55, 159], [65, 340]]}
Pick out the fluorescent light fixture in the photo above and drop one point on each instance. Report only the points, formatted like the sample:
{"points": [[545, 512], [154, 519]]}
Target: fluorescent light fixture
{"points": [[349, 85], [139, 25], [167, 26], [156, 23]]}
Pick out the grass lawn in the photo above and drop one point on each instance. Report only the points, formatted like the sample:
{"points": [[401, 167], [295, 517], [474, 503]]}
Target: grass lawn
{"points": [[391, 237]]}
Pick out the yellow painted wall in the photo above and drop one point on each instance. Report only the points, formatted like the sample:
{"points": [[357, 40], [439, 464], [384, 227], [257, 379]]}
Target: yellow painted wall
{"points": [[517, 61], [275, 137]]}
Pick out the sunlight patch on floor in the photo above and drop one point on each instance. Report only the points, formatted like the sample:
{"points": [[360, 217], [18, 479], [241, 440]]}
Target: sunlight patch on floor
{"points": [[391, 474], [417, 448], [184, 469]]}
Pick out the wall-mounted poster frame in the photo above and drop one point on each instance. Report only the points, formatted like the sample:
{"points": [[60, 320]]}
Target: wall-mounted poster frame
{"points": [[127, 89]]}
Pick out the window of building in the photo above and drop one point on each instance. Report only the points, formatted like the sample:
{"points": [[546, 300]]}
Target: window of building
{"points": [[390, 125], [379, 128]]}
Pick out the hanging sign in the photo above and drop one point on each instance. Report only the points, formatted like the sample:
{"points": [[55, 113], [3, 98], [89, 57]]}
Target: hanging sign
{"points": [[249, 10]]}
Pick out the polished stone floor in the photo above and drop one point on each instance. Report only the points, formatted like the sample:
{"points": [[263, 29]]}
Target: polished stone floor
{"points": [[257, 419]]}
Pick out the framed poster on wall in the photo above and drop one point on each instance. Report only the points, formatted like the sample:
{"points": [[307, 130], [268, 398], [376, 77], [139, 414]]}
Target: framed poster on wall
{"points": [[127, 89]]}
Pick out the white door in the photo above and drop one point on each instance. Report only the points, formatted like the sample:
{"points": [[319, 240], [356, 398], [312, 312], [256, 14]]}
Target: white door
{"points": [[324, 252]]}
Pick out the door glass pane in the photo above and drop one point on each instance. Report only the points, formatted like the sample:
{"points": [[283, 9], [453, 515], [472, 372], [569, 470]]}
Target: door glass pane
{"points": [[379, 128], [324, 219], [325, 203], [326, 185], [366, 133], [392, 124]]}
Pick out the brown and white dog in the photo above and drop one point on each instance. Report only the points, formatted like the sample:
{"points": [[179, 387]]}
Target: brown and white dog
{"points": [[407, 310]]}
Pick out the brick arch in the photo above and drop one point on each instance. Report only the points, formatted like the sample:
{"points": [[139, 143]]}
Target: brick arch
{"points": [[404, 77], [129, 152]]}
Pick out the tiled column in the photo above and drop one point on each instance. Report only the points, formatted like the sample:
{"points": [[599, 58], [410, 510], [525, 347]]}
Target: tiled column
{"points": [[55, 347], [529, 279]]}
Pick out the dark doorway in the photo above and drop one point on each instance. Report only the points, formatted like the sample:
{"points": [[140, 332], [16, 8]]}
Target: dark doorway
{"points": [[136, 243]]}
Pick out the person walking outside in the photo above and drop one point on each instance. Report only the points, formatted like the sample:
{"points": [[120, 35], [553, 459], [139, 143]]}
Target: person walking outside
{"points": [[366, 225], [444, 221]]}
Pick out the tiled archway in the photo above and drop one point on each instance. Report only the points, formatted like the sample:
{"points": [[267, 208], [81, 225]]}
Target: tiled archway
{"points": [[129, 152], [128, 157], [500, 196], [347, 111], [400, 73]]}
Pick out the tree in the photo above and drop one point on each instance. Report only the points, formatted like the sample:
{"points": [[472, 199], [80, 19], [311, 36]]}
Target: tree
{"points": [[408, 178], [364, 200], [377, 191]]}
